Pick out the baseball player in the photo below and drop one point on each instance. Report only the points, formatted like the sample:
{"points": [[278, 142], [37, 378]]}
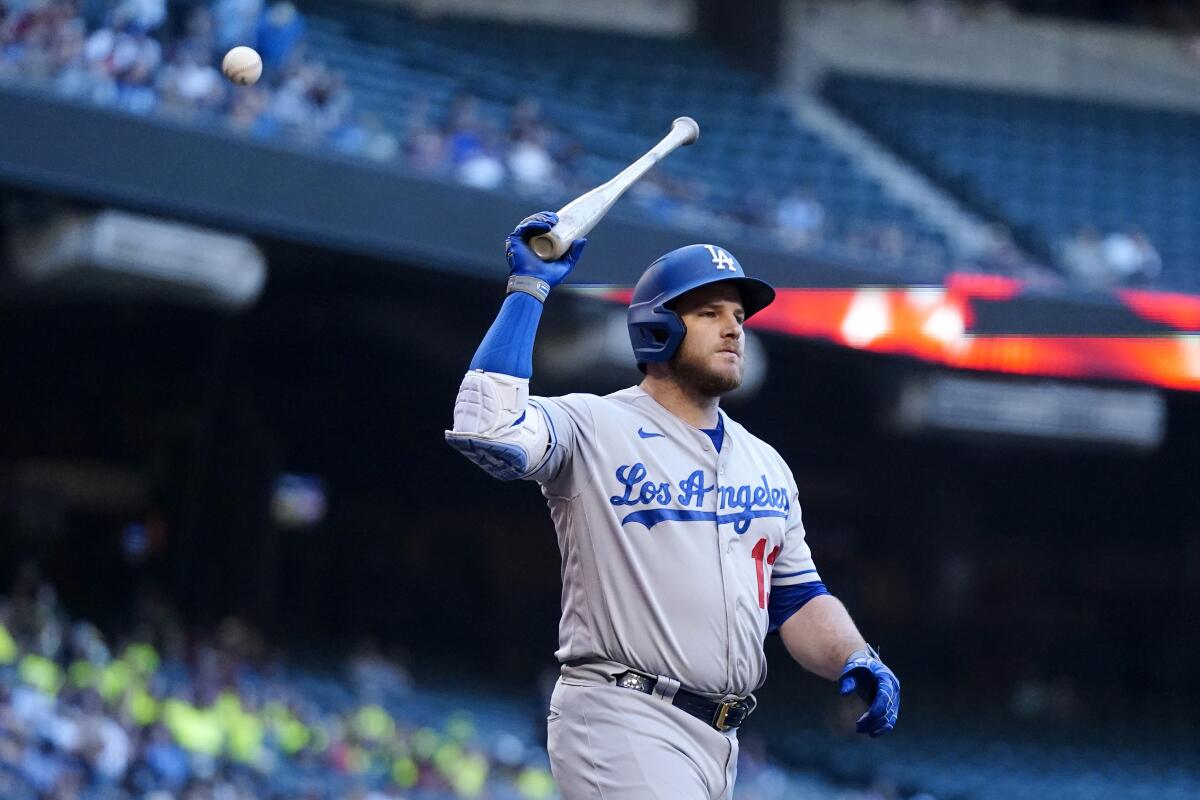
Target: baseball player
{"points": [[680, 532]]}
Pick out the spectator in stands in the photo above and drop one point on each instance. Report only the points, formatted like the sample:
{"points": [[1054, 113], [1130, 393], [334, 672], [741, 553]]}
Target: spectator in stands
{"points": [[1083, 257], [236, 22], [423, 145], [1121, 255], [289, 104], [124, 58], [799, 220], [472, 147], [375, 676], [23, 39], [144, 15], [1130, 258], [1121, 258], [78, 720], [1149, 263], [526, 119], [280, 34], [165, 761], [200, 30], [530, 163], [121, 63], [70, 64], [425, 149], [464, 131], [329, 98], [249, 113], [191, 84], [481, 166], [365, 136], [530, 160]]}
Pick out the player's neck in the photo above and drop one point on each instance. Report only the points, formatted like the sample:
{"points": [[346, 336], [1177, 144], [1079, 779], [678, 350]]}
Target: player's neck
{"points": [[696, 409]]}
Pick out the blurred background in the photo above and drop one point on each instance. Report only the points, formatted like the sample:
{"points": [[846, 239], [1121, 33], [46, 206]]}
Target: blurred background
{"points": [[236, 558]]}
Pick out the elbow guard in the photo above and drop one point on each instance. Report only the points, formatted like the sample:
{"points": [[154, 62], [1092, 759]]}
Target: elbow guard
{"points": [[492, 426]]}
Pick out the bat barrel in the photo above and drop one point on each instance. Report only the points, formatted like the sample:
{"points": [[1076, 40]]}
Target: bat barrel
{"points": [[580, 215], [689, 126]]}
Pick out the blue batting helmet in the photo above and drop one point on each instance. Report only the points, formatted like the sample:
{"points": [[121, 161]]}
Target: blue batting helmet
{"points": [[654, 329]]}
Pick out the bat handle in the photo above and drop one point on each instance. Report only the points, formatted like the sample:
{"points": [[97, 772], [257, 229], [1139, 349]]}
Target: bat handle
{"points": [[548, 247]]}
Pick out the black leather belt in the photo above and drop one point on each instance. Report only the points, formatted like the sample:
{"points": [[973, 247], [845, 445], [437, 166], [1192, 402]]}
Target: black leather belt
{"points": [[721, 715]]}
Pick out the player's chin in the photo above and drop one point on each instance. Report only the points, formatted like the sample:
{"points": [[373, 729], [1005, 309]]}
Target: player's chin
{"points": [[729, 364], [724, 375], [713, 376]]}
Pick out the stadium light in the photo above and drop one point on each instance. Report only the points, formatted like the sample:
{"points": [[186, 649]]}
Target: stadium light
{"points": [[139, 257]]}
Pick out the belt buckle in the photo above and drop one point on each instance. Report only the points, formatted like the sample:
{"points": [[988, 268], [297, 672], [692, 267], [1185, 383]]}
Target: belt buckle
{"points": [[723, 710]]}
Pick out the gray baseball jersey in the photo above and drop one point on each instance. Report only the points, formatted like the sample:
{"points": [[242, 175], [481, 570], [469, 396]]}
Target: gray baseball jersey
{"points": [[669, 548]]}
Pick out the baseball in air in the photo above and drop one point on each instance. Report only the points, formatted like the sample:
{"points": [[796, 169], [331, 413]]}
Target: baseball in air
{"points": [[242, 65]]}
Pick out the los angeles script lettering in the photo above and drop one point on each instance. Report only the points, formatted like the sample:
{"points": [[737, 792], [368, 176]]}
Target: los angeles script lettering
{"points": [[692, 492]]}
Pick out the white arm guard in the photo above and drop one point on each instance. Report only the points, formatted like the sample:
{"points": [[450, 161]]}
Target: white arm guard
{"points": [[493, 426]]}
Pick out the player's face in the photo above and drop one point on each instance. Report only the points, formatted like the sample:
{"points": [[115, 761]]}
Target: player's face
{"points": [[709, 360]]}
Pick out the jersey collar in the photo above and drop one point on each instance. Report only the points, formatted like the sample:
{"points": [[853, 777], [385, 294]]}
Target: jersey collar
{"points": [[723, 419]]}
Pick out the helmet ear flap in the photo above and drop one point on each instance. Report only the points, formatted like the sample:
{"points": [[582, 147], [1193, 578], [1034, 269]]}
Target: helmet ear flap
{"points": [[651, 336], [655, 334]]}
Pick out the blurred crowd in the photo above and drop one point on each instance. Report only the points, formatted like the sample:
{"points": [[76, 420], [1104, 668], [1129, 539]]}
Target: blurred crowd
{"points": [[164, 714], [162, 717], [134, 55], [144, 57], [1105, 261], [532, 157]]}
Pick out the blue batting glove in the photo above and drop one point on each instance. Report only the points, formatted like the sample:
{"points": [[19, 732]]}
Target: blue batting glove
{"points": [[523, 261], [868, 677]]}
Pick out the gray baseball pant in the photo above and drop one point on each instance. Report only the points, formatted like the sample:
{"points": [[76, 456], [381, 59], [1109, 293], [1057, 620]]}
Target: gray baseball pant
{"points": [[610, 743]]}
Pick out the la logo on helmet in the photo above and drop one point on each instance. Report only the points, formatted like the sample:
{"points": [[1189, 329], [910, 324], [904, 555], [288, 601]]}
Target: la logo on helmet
{"points": [[722, 259]]}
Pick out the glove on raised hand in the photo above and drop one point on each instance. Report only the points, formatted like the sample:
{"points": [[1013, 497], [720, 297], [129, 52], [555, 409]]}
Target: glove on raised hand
{"points": [[522, 261]]}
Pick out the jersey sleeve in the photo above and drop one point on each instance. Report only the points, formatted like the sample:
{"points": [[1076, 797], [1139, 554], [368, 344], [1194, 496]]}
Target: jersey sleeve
{"points": [[795, 563], [569, 421], [794, 579]]}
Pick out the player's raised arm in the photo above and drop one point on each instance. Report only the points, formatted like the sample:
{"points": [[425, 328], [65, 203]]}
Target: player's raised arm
{"points": [[491, 425]]}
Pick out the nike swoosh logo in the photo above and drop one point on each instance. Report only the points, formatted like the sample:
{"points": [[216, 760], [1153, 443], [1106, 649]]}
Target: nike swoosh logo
{"points": [[651, 435]]}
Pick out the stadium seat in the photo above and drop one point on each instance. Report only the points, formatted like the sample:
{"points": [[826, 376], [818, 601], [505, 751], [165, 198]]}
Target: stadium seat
{"points": [[1046, 166]]}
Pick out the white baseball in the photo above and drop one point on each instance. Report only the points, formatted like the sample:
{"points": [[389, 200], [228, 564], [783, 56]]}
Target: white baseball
{"points": [[242, 65]]}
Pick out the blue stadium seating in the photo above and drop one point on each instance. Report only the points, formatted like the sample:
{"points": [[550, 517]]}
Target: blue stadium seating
{"points": [[989, 762], [613, 93], [1046, 166]]}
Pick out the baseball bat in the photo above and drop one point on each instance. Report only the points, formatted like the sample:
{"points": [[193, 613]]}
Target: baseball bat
{"points": [[580, 215]]}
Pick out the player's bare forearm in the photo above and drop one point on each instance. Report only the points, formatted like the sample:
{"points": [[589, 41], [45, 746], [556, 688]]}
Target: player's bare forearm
{"points": [[821, 636]]}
